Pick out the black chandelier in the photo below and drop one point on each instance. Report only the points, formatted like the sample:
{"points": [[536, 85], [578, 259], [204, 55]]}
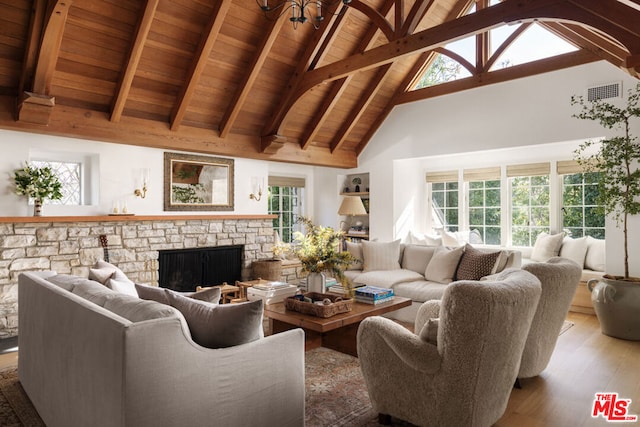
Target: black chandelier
{"points": [[301, 10]]}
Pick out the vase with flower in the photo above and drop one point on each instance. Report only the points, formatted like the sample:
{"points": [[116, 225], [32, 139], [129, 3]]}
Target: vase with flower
{"points": [[319, 252], [39, 183]]}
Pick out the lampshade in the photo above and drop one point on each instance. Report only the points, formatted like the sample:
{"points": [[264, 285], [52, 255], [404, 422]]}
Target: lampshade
{"points": [[352, 205]]}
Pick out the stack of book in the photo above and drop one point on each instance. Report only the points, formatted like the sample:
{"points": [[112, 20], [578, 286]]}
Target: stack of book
{"points": [[373, 295], [338, 289]]}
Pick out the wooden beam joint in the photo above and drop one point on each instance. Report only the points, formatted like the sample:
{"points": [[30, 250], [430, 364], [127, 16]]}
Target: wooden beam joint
{"points": [[36, 108], [271, 144]]}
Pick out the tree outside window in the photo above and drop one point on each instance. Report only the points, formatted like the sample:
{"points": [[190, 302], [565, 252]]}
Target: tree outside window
{"points": [[286, 202], [484, 210], [581, 215], [529, 208], [444, 197]]}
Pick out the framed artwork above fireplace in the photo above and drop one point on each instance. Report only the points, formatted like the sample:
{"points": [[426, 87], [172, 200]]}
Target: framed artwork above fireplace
{"points": [[197, 183]]}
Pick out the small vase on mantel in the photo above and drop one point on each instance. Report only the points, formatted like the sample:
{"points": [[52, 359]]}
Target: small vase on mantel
{"points": [[37, 207], [316, 282]]}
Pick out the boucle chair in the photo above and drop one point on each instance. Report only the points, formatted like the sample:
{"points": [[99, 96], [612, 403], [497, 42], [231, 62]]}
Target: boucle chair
{"points": [[457, 370], [559, 278]]}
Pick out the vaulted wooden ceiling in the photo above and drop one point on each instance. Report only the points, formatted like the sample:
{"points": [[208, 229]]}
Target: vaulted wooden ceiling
{"points": [[216, 77]]}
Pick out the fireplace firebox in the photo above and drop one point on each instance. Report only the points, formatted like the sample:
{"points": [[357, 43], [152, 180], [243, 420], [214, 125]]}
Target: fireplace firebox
{"points": [[184, 269]]}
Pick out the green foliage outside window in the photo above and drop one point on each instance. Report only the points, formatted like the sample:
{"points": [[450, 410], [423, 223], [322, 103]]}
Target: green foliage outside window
{"points": [[286, 203], [484, 210], [444, 196], [529, 208], [581, 214]]}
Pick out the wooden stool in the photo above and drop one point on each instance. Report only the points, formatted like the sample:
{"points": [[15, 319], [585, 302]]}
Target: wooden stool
{"points": [[228, 293]]}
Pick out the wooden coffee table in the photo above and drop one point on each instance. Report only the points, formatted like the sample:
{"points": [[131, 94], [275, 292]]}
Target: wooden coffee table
{"points": [[337, 332]]}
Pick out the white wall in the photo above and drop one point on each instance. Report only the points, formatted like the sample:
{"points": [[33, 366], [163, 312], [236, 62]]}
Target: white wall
{"points": [[120, 167]]}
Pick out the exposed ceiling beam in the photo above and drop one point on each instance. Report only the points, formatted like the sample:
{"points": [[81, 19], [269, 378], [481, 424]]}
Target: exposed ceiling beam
{"points": [[416, 14], [55, 20], [505, 44], [511, 73], [201, 57], [585, 39], [124, 86], [376, 17], [483, 20], [38, 13], [240, 96]]}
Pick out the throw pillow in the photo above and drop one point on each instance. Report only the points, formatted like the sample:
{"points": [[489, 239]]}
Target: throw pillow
{"points": [[115, 278], [443, 264], [574, 249], [381, 255], [101, 275], [476, 264], [355, 249], [547, 246], [220, 325], [417, 257], [429, 332], [126, 287], [595, 258], [159, 294], [449, 239]]}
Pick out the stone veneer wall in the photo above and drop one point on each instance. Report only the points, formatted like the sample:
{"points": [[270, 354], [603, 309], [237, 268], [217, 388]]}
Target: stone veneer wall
{"points": [[73, 247]]}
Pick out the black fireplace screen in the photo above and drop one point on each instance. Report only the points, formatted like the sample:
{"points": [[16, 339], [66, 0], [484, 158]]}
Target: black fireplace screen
{"points": [[184, 269]]}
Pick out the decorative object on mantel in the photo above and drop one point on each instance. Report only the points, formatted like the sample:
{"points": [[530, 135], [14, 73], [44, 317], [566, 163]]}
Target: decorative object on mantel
{"points": [[356, 181], [616, 299], [39, 183], [301, 10], [318, 251]]}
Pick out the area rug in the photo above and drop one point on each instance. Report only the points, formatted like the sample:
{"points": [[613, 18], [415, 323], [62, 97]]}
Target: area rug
{"points": [[16, 409]]}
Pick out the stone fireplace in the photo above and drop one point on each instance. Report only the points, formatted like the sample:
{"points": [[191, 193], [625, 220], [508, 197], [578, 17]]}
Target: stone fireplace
{"points": [[71, 245]]}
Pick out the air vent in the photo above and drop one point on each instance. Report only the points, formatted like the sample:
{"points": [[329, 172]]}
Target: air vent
{"points": [[611, 90]]}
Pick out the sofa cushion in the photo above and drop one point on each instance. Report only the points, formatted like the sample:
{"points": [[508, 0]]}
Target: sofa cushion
{"points": [[417, 257], [546, 247], [220, 325], [450, 239], [387, 278], [381, 255], [136, 309], [355, 249], [420, 290], [595, 258], [159, 294], [475, 264], [115, 278], [67, 281], [574, 249], [94, 292], [424, 239], [443, 264]]}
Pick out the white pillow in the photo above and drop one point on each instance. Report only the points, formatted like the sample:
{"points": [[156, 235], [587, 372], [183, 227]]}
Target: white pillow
{"points": [[118, 281], [595, 258], [355, 249], [574, 249], [122, 286], [443, 264], [381, 255], [424, 240], [449, 239], [547, 246]]}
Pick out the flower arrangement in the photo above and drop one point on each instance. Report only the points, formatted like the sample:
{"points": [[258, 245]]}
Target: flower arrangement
{"points": [[319, 250], [39, 183]]}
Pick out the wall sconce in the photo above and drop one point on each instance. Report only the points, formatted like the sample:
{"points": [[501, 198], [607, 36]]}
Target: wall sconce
{"points": [[256, 186], [144, 179]]}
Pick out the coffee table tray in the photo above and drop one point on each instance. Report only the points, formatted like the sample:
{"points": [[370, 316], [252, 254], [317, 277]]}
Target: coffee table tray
{"points": [[338, 305]]}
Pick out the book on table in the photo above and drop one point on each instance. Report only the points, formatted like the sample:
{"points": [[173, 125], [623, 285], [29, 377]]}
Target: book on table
{"points": [[375, 301], [373, 292], [338, 289]]}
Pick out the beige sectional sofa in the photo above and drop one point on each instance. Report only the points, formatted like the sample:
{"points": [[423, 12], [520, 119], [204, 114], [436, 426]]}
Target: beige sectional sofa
{"points": [[423, 272], [91, 356]]}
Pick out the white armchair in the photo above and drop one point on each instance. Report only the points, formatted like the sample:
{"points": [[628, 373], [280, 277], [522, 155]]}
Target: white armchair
{"points": [[559, 278], [466, 376]]}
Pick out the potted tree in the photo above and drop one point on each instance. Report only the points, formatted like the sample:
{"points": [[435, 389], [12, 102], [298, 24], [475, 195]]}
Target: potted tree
{"points": [[38, 183], [616, 299]]}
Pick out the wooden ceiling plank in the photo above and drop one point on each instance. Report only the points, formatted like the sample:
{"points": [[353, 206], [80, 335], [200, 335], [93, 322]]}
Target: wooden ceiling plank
{"points": [[249, 79], [546, 65], [332, 98], [201, 56], [124, 85], [359, 109], [376, 17], [273, 124], [617, 14], [55, 21], [31, 52]]}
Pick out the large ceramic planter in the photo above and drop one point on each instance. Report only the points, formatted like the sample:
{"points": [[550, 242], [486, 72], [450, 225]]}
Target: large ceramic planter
{"points": [[617, 305]]}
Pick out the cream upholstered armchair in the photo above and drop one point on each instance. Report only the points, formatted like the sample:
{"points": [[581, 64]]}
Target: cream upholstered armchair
{"points": [[458, 369], [559, 278]]}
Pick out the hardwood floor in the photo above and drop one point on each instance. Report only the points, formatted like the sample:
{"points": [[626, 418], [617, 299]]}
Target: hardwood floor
{"points": [[584, 362]]}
